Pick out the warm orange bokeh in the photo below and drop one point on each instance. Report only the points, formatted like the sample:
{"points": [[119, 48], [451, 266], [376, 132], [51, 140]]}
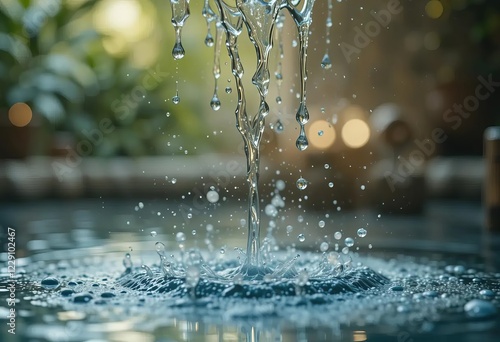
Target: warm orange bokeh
{"points": [[20, 114]]}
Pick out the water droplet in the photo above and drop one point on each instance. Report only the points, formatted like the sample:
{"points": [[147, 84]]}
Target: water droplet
{"points": [[302, 142], [301, 183], [362, 232], [222, 250], [349, 242], [301, 237], [271, 210], [209, 40], [178, 50], [160, 248], [321, 224], [326, 63], [324, 246], [213, 196], [363, 187], [327, 166], [50, 283], [330, 184], [153, 233], [180, 237], [320, 133], [229, 90], [487, 294], [176, 99], [173, 181], [215, 103], [82, 298], [477, 308], [278, 100], [280, 185], [278, 126], [127, 261], [189, 215], [141, 205]]}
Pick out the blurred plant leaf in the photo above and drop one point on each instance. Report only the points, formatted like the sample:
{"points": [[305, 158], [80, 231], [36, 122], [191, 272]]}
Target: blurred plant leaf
{"points": [[15, 47], [49, 106], [78, 71]]}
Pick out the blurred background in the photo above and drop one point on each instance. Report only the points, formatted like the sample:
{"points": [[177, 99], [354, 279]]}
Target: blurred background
{"points": [[87, 110]]}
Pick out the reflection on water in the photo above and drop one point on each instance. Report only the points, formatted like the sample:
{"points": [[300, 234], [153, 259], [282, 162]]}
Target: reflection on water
{"points": [[81, 245]]}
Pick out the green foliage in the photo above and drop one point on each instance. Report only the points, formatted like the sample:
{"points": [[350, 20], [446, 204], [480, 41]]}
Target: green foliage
{"points": [[53, 58]]}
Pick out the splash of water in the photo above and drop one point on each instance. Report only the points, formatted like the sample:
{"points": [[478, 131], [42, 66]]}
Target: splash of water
{"points": [[260, 19]]}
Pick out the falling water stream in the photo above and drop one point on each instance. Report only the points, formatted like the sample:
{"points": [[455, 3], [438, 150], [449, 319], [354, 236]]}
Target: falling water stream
{"points": [[260, 18], [262, 283]]}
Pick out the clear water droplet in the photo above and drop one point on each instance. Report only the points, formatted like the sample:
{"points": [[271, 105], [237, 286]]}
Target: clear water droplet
{"points": [[215, 103], [301, 237], [178, 50], [160, 248], [278, 100], [301, 183], [362, 232], [477, 308], [153, 233], [278, 127], [127, 261], [349, 242], [213, 196], [176, 99], [320, 133], [50, 283], [337, 235], [280, 185], [330, 185], [324, 246], [180, 237], [321, 224], [302, 142], [326, 63], [209, 40], [229, 90]]}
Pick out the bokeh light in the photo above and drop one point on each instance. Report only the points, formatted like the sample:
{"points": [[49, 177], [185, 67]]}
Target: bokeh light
{"points": [[434, 9], [432, 41], [355, 133], [123, 21], [20, 114], [321, 134]]}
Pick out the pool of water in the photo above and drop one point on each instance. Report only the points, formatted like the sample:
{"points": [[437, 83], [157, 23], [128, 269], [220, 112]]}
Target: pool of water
{"points": [[429, 277]]}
